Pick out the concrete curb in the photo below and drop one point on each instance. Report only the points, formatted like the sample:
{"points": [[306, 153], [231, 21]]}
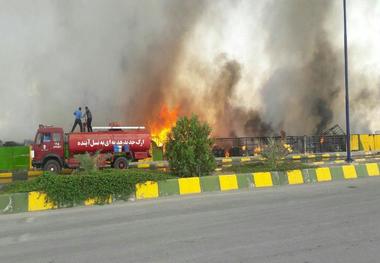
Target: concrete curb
{"points": [[36, 201]]}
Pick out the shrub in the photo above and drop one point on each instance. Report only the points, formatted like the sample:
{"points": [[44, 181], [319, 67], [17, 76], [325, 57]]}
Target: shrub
{"points": [[275, 152], [189, 148], [88, 163]]}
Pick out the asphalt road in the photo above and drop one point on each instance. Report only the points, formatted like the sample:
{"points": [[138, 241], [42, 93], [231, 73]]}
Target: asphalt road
{"points": [[331, 222]]}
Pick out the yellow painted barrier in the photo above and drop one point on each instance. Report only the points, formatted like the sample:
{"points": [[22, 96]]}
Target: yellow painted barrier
{"points": [[37, 202], [93, 201], [263, 179], [90, 201], [147, 190], [372, 169], [371, 142], [5, 175], [349, 172], [226, 160], [30, 157], [323, 174], [365, 142], [161, 164], [228, 182], [355, 142], [189, 185], [377, 142], [143, 165], [295, 177], [34, 173]]}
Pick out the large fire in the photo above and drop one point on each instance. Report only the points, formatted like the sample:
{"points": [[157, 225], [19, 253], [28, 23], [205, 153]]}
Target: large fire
{"points": [[162, 124]]}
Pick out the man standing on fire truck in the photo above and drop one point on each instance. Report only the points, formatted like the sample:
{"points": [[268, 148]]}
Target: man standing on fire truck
{"points": [[78, 116], [88, 119]]}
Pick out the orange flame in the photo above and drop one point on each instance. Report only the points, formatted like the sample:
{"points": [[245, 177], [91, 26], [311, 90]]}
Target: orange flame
{"points": [[162, 125], [257, 150]]}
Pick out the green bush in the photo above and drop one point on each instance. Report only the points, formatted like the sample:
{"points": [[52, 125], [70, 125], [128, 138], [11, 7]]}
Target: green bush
{"points": [[68, 190], [88, 163], [189, 148]]}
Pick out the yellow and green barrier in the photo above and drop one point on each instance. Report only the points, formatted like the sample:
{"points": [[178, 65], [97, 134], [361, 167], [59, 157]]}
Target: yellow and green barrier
{"points": [[320, 158], [230, 182], [36, 201], [8, 177]]}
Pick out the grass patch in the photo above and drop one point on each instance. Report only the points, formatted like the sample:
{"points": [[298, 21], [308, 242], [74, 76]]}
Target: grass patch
{"points": [[265, 167]]}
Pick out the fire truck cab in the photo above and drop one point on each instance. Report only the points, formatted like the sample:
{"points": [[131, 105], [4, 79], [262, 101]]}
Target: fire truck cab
{"points": [[48, 149]]}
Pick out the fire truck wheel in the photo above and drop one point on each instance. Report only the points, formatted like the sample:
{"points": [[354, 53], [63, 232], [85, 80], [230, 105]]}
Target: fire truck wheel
{"points": [[52, 166], [121, 163]]}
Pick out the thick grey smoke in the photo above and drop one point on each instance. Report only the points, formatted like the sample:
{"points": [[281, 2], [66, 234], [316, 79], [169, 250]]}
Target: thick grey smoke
{"points": [[117, 57], [151, 74], [302, 94], [232, 118], [249, 68], [363, 100]]}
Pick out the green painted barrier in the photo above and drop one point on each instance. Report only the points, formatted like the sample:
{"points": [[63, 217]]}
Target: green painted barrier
{"points": [[13, 203], [14, 158]]}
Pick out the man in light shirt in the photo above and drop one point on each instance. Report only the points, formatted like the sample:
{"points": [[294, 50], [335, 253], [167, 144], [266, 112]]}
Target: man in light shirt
{"points": [[78, 117]]}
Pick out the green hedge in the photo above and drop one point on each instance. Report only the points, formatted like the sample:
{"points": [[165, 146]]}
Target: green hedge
{"points": [[68, 190]]}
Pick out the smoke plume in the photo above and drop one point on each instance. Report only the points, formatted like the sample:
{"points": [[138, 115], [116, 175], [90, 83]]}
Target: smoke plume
{"points": [[248, 68]]}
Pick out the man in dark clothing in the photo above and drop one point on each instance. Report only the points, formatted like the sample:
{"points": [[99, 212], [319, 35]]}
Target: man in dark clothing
{"points": [[78, 117], [89, 119]]}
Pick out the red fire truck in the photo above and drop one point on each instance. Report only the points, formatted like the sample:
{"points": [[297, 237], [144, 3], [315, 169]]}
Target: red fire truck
{"points": [[116, 146]]}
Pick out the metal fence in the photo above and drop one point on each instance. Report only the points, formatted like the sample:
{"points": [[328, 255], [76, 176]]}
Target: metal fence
{"points": [[247, 146]]}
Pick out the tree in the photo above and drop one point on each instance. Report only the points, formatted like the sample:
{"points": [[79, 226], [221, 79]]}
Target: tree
{"points": [[189, 148]]}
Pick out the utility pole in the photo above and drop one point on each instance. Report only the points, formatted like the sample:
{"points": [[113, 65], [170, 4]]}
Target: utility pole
{"points": [[348, 137]]}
